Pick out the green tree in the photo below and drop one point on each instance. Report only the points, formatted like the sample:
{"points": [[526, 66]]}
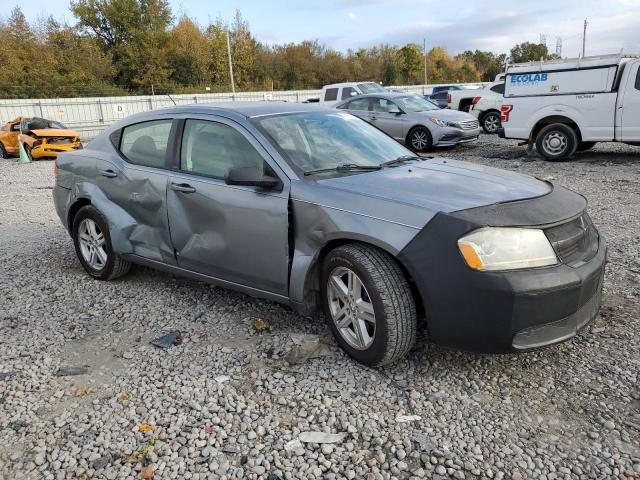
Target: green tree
{"points": [[133, 32], [188, 53], [410, 63], [529, 52]]}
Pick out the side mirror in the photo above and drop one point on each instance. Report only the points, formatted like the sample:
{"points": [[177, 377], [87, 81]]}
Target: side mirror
{"points": [[251, 176], [394, 109], [353, 94]]}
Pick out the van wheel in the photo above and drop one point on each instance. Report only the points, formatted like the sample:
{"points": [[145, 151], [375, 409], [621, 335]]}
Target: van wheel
{"points": [[491, 122], [584, 146], [557, 141], [420, 140], [368, 304], [93, 245]]}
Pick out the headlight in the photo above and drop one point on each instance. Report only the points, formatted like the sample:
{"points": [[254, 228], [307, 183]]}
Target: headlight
{"points": [[497, 248], [443, 123]]}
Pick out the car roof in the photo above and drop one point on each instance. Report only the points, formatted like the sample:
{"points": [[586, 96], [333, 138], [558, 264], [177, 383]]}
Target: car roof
{"points": [[347, 84], [246, 109]]}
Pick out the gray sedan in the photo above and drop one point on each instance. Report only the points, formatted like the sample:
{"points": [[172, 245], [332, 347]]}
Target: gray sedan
{"points": [[319, 210], [414, 121]]}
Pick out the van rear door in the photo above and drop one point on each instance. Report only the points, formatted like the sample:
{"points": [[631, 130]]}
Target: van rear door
{"points": [[629, 104]]}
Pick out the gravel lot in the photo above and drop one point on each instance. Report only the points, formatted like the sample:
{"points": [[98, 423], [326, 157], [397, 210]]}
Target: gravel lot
{"points": [[568, 411]]}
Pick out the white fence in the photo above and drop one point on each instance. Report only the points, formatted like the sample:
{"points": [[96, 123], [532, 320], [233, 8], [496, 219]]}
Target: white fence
{"points": [[90, 115]]}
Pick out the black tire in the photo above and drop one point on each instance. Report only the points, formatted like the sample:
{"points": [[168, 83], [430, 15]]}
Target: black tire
{"points": [[114, 266], [388, 291], [422, 144], [584, 146], [566, 138], [3, 152], [490, 122]]}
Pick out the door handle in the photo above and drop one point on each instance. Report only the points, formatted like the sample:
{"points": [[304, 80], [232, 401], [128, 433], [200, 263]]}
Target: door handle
{"points": [[182, 187], [108, 173]]}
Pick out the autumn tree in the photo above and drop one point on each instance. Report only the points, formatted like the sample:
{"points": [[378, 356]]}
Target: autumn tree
{"points": [[529, 52], [410, 63]]}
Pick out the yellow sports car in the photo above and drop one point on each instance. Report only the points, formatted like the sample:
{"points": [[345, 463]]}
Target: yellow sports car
{"points": [[41, 138]]}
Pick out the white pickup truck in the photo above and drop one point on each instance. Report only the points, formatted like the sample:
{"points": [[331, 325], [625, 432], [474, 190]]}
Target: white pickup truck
{"points": [[566, 105], [337, 92]]}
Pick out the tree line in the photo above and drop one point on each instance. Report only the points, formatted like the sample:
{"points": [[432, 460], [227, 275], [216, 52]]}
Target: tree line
{"points": [[120, 47]]}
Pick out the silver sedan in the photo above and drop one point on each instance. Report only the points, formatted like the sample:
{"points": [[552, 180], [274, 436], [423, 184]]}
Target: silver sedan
{"points": [[414, 121]]}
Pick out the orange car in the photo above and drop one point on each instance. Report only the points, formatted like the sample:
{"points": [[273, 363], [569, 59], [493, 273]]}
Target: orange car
{"points": [[41, 138]]}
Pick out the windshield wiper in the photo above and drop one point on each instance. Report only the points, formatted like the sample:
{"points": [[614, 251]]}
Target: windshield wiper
{"points": [[344, 167], [399, 160]]}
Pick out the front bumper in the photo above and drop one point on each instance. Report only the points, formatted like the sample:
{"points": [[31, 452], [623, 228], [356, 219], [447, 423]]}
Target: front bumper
{"points": [[499, 311], [454, 136], [51, 150]]}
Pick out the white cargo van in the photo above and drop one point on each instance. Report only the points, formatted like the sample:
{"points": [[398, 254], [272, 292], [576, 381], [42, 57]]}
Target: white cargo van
{"points": [[566, 105], [332, 94]]}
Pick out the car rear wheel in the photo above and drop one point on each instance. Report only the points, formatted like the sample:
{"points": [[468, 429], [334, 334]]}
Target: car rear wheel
{"points": [[93, 245], [491, 122], [368, 304], [557, 141], [420, 139]]}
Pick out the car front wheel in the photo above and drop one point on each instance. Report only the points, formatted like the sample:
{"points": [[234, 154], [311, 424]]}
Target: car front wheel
{"points": [[368, 304], [420, 139], [93, 245]]}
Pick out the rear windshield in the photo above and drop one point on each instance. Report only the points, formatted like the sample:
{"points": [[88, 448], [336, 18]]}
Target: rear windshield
{"points": [[371, 87]]}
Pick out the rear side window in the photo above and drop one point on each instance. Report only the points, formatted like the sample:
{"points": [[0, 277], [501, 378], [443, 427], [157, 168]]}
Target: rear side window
{"points": [[331, 94], [212, 148], [498, 89], [358, 104], [146, 143], [348, 92]]}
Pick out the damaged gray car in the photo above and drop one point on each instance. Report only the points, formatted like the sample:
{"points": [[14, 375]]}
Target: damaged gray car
{"points": [[319, 210]]}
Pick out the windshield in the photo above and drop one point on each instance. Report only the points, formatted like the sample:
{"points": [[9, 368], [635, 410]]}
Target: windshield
{"points": [[36, 123], [321, 140], [370, 87], [415, 103]]}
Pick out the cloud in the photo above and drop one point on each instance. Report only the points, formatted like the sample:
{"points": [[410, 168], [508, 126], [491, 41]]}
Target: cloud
{"points": [[352, 16]]}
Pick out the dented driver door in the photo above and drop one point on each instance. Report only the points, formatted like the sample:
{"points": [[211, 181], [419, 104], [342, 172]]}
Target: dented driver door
{"points": [[238, 234]]}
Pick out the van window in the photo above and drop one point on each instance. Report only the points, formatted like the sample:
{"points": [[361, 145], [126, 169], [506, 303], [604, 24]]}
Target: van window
{"points": [[331, 94], [146, 143], [347, 92], [212, 148]]}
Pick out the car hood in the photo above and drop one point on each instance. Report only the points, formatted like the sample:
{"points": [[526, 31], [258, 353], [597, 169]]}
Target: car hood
{"points": [[446, 115], [412, 193], [54, 132]]}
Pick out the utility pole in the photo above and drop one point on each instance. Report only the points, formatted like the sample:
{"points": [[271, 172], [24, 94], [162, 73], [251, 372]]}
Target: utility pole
{"points": [[233, 87], [584, 37], [424, 52]]}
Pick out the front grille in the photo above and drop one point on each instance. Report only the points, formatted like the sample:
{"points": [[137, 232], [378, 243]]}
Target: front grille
{"points": [[469, 124], [60, 140], [575, 242]]}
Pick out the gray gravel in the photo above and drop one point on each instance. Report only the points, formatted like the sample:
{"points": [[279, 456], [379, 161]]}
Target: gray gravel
{"points": [[570, 411]]}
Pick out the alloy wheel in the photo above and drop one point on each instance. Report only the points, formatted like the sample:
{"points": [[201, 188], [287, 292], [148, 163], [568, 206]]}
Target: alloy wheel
{"points": [[92, 244], [491, 123], [419, 139], [351, 308]]}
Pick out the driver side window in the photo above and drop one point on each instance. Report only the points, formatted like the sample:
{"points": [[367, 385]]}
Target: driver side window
{"points": [[212, 148]]}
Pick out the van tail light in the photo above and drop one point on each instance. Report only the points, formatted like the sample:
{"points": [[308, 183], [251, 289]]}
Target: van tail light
{"points": [[505, 110], [475, 100], [448, 98]]}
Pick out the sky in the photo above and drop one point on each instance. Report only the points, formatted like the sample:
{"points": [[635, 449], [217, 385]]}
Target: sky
{"points": [[458, 25]]}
